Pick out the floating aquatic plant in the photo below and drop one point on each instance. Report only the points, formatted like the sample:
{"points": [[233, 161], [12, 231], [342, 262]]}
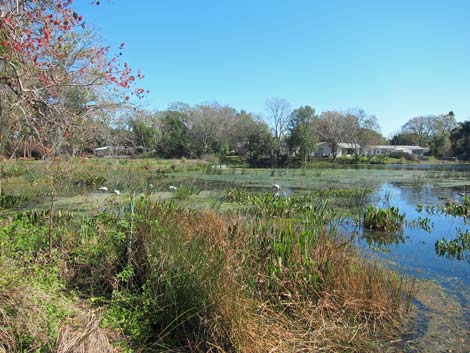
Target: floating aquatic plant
{"points": [[388, 219]]}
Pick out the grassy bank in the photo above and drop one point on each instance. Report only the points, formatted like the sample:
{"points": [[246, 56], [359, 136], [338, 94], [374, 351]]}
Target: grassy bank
{"points": [[160, 278]]}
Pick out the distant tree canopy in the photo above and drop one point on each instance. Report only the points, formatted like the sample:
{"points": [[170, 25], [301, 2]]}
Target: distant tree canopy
{"points": [[302, 131], [405, 138], [460, 140], [431, 131], [175, 135], [354, 127]]}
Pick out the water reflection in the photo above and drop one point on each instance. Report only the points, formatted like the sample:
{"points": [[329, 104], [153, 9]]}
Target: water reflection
{"points": [[383, 239], [413, 250]]}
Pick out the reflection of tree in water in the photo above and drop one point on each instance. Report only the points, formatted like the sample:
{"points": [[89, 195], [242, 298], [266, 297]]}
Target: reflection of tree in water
{"points": [[417, 194], [382, 239]]}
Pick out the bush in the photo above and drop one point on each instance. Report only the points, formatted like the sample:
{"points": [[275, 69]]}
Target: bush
{"points": [[404, 155], [389, 219]]}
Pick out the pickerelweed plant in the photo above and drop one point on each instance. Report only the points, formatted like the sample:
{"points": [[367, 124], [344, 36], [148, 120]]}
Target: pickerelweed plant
{"points": [[388, 219]]}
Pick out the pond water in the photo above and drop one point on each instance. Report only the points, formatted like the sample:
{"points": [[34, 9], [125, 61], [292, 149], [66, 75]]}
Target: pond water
{"points": [[402, 186], [442, 322], [413, 252]]}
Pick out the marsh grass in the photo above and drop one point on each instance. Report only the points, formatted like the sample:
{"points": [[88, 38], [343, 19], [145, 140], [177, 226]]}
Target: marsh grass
{"points": [[36, 315], [185, 190], [202, 282], [272, 275], [172, 279]]}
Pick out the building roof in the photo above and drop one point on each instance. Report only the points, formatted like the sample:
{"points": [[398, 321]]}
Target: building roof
{"points": [[348, 145], [341, 144], [397, 147], [382, 147]]}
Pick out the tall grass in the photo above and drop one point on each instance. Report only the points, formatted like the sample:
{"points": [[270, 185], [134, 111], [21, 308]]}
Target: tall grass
{"points": [[201, 282], [272, 277], [177, 280]]}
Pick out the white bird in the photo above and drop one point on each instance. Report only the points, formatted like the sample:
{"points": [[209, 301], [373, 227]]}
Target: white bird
{"points": [[172, 188], [117, 192], [151, 186], [103, 188], [277, 190]]}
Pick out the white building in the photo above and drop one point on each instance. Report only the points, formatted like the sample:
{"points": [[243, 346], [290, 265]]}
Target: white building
{"points": [[375, 150], [324, 149]]}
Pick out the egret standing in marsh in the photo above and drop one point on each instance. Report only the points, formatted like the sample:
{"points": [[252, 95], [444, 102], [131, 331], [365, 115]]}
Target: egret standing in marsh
{"points": [[276, 190]]}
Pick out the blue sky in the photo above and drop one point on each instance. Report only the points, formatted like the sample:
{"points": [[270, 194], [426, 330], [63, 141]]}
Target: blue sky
{"points": [[395, 59]]}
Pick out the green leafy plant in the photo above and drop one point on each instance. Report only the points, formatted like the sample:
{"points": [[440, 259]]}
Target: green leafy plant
{"points": [[458, 208], [457, 248], [389, 219]]}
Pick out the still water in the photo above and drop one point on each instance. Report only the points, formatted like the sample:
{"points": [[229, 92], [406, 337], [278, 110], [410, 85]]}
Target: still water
{"points": [[413, 252]]}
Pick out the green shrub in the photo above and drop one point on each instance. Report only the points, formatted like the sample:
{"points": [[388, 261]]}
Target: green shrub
{"points": [[389, 219]]}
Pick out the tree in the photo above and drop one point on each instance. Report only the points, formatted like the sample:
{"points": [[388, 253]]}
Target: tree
{"points": [[460, 140], [54, 76], [421, 127], [364, 128], [210, 128], [278, 112], [333, 127], [144, 126], [431, 131], [251, 135], [426, 128], [301, 127], [440, 142], [174, 142], [405, 138]]}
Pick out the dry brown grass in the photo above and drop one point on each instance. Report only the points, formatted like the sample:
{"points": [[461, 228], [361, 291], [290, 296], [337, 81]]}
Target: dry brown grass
{"points": [[358, 305], [243, 305], [83, 334], [24, 326], [37, 317]]}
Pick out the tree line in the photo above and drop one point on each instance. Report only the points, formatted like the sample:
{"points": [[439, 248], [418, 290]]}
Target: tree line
{"points": [[63, 93]]}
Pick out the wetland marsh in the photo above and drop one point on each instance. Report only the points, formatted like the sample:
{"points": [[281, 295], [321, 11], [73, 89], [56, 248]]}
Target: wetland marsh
{"points": [[328, 201]]}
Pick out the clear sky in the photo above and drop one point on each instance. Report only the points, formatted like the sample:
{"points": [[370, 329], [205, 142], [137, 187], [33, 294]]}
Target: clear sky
{"points": [[396, 59]]}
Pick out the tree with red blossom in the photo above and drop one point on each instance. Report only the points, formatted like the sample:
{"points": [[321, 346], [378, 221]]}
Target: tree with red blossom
{"points": [[54, 77]]}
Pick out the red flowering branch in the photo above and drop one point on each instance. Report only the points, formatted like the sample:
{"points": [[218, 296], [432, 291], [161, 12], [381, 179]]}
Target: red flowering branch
{"points": [[46, 50]]}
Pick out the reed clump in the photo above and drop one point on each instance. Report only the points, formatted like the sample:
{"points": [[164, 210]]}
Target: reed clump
{"points": [[174, 280], [198, 281]]}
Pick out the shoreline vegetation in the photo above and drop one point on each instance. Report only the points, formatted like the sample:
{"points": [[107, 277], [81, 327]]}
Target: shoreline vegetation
{"points": [[248, 248], [143, 272], [143, 275]]}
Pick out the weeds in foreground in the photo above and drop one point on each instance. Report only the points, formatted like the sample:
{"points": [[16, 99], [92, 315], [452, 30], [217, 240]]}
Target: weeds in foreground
{"points": [[179, 280]]}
